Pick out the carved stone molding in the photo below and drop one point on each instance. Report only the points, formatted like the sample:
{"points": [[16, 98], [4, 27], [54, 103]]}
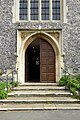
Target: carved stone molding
{"points": [[40, 25], [25, 33]]}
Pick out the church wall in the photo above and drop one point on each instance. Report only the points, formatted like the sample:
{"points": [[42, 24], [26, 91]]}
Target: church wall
{"points": [[69, 27]]}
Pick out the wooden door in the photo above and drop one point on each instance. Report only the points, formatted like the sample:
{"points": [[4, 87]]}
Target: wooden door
{"points": [[47, 62]]}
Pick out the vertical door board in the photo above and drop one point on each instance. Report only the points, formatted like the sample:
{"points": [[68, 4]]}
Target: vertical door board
{"points": [[47, 62]]}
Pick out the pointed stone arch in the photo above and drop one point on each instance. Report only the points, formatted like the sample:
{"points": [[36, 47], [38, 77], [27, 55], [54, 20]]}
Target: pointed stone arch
{"points": [[28, 40]]}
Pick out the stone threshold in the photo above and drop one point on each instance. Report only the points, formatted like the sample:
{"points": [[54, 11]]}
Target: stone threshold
{"points": [[38, 84]]}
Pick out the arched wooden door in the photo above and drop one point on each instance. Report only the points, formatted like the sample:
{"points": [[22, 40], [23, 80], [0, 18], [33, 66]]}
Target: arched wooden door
{"points": [[40, 62]]}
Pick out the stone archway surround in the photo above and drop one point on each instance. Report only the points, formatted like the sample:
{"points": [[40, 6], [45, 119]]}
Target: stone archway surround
{"points": [[21, 48]]}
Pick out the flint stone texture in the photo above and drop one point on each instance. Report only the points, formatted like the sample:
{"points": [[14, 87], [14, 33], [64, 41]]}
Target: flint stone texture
{"points": [[70, 32]]}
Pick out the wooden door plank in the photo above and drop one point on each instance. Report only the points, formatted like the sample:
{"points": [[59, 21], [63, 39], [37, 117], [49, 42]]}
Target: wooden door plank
{"points": [[47, 62]]}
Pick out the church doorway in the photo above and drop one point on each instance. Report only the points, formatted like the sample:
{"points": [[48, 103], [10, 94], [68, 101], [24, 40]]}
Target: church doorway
{"points": [[40, 62]]}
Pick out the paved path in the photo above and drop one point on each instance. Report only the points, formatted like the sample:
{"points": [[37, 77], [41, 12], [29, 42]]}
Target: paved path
{"points": [[41, 115]]}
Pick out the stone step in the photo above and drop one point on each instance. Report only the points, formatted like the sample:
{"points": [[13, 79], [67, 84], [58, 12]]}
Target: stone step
{"points": [[40, 106], [38, 88], [48, 100], [40, 91], [39, 84], [42, 98], [39, 94]]}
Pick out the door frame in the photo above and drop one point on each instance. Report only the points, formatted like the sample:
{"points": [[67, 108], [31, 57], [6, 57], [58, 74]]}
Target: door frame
{"points": [[23, 45]]}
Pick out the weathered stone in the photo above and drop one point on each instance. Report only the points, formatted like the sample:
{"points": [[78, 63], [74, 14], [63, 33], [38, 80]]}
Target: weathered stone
{"points": [[71, 34]]}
